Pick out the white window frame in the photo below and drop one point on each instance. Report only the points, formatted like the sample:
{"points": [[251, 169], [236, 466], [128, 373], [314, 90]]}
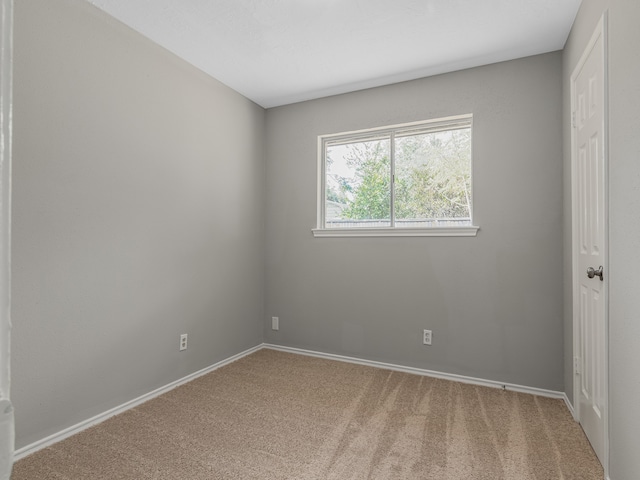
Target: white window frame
{"points": [[390, 231]]}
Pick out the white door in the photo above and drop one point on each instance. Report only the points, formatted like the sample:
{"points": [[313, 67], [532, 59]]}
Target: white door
{"points": [[590, 242]]}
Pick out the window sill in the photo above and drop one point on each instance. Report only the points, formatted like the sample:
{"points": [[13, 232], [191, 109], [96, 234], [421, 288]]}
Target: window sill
{"points": [[467, 231]]}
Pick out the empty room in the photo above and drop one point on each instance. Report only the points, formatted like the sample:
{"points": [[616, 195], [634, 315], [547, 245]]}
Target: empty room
{"points": [[319, 239]]}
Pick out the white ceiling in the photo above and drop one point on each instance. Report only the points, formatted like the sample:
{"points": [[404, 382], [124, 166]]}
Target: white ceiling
{"points": [[277, 52]]}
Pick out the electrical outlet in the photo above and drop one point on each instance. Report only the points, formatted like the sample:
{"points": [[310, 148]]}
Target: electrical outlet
{"points": [[183, 341], [275, 323], [426, 337]]}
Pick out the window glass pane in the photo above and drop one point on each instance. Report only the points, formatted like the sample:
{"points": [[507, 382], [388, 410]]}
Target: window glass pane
{"points": [[358, 189], [433, 179]]}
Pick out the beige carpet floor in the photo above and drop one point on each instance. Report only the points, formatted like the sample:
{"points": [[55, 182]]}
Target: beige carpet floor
{"points": [[274, 415]]}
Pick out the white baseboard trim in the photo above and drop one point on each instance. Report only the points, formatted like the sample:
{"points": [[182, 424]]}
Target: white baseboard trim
{"points": [[67, 432], [419, 371], [570, 406]]}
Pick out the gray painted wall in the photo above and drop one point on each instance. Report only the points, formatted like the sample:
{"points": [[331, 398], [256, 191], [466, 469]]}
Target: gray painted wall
{"points": [[624, 258], [494, 302], [137, 216], [624, 222]]}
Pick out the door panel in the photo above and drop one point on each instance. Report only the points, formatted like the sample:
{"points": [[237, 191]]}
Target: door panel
{"points": [[588, 84]]}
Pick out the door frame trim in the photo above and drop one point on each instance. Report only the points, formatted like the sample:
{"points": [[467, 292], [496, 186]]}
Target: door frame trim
{"points": [[7, 429], [601, 31]]}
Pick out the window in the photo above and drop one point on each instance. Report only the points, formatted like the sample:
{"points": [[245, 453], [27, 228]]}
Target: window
{"points": [[406, 180]]}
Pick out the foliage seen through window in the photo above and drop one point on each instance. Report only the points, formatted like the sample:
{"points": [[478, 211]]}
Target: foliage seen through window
{"points": [[416, 176]]}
